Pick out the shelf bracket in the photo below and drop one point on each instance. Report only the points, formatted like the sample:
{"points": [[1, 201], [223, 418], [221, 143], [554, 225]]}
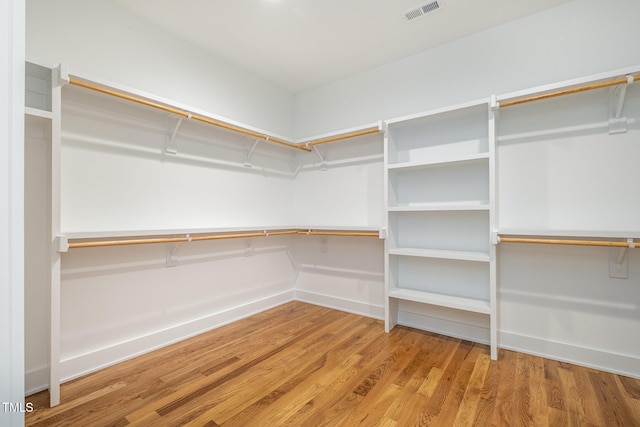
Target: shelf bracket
{"points": [[248, 248], [171, 252], [323, 162], [618, 122], [495, 237], [618, 261], [324, 248], [171, 147], [248, 163]]}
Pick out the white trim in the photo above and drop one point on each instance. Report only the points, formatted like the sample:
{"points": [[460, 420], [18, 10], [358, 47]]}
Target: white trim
{"points": [[578, 355], [36, 380], [436, 111], [342, 304], [12, 52], [439, 325]]}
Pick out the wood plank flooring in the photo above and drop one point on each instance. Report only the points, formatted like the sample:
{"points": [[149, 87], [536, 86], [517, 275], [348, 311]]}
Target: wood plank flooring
{"points": [[304, 365]]}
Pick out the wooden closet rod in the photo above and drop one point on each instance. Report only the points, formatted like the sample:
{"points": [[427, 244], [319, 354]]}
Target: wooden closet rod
{"points": [[343, 136], [187, 238], [577, 89], [569, 242], [220, 236], [186, 114], [339, 233]]}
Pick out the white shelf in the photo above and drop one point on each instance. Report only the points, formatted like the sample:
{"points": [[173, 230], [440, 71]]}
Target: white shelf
{"points": [[36, 112], [183, 231], [612, 234], [439, 162], [441, 254], [429, 207], [459, 303]]}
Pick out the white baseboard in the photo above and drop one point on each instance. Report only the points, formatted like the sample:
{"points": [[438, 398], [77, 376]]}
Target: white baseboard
{"points": [[36, 380], [101, 358], [592, 358], [444, 326], [342, 304]]}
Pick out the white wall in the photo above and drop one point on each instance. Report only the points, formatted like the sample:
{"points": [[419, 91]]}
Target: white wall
{"points": [[11, 212], [116, 175], [96, 38], [345, 193], [579, 38]]}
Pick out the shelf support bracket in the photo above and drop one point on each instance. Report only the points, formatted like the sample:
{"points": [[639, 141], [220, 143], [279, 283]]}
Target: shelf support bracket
{"points": [[618, 122], [324, 248], [248, 163], [618, 261], [171, 252], [171, 147], [323, 162], [248, 248]]}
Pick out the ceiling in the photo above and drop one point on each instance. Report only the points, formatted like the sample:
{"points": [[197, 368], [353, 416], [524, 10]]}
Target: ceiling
{"points": [[299, 45]]}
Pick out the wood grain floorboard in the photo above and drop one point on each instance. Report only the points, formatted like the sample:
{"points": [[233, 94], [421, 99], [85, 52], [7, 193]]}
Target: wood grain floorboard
{"points": [[304, 365]]}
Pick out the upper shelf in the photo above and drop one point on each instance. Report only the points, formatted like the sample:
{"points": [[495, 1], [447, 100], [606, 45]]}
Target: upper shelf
{"points": [[182, 111], [600, 234]]}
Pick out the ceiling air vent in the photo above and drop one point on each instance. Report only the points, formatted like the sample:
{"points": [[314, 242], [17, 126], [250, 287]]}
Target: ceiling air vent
{"points": [[421, 10]]}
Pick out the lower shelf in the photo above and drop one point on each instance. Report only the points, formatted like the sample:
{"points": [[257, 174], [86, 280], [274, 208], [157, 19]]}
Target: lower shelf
{"points": [[460, 303]]}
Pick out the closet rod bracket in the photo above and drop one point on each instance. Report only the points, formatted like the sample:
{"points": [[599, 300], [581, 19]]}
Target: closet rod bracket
{"points": [[383, 233], [495, 237], [61, 74], [61, 243]]}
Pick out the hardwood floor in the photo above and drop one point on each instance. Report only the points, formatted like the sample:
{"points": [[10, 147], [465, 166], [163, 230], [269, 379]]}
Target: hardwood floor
{"points": [[304, 365]]}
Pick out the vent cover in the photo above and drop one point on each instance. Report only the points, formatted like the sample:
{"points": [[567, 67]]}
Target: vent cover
{"points": [[421, 10]]}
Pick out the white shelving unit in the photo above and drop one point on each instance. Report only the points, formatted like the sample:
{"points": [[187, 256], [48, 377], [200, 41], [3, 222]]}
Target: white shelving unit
{"points": [[440, 198], [42, 174]]}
